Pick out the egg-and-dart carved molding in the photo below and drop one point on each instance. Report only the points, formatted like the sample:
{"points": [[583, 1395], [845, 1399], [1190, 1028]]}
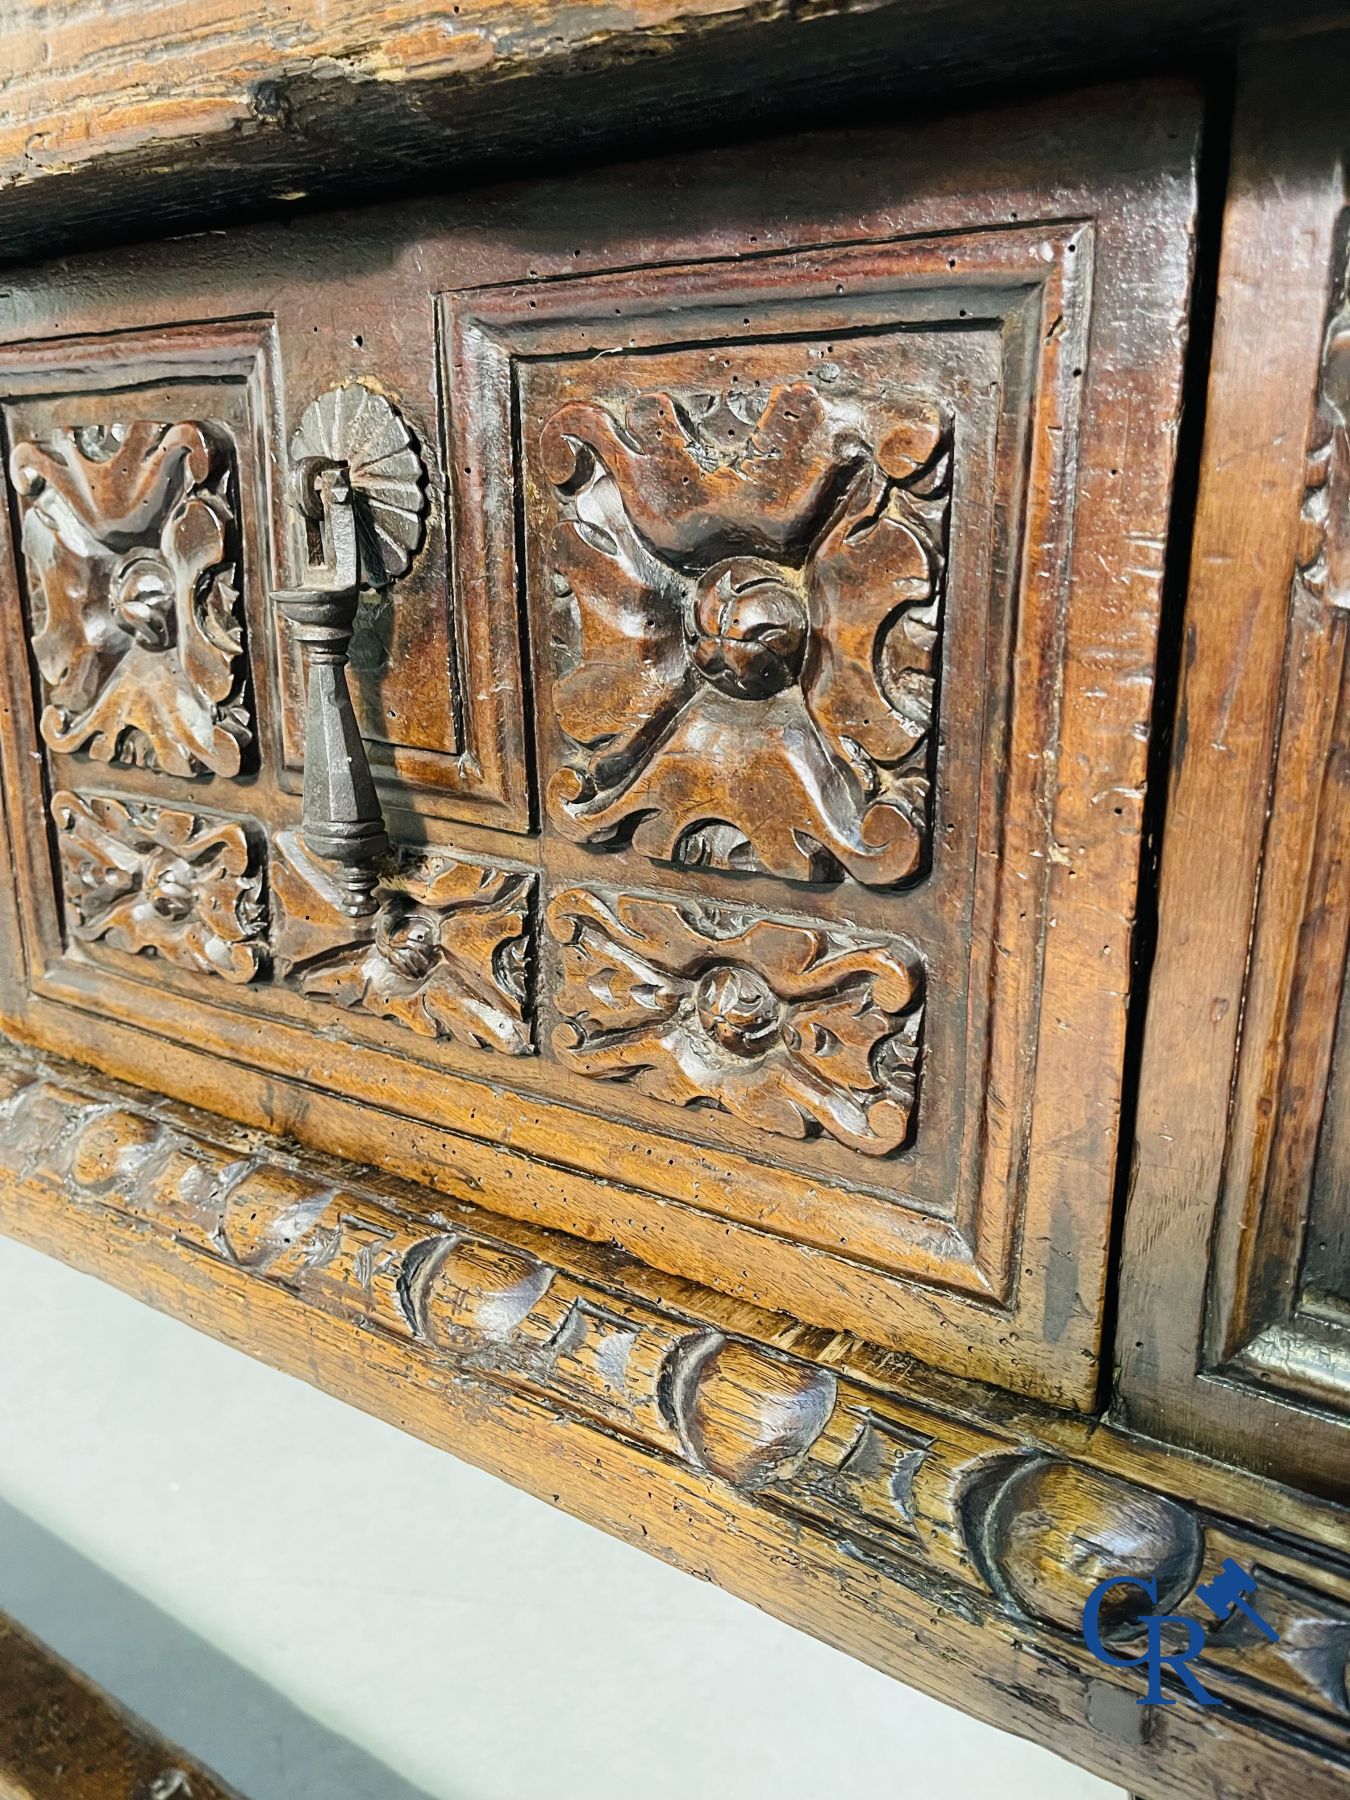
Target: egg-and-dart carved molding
{"points": [[980, 1515]]}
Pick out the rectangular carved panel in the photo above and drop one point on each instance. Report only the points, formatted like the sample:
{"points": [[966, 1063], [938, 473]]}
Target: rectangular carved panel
{"points": [[129, 542], [790, 1030], [161, 882], [763, 537], [827, 524]]}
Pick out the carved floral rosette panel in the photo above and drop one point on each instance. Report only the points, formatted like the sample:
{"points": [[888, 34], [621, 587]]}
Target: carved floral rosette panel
{"points": [[448, 954], [792, 1029], [162, 882], [129, 538], [749, 584]]}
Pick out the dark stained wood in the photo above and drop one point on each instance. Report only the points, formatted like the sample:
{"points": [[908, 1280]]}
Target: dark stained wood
{"points": [[730, 572], [1234, 1335], [179, 887], [942, 1531], [62, 1738], [112, 119]]}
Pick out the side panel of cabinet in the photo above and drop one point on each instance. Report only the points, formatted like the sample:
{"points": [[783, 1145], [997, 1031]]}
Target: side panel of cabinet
{"points": [[1234, 1314]]}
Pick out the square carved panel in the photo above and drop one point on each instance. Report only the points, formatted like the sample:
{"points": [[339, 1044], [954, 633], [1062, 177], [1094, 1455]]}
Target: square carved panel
{"points": [[746, 576], [159, 881], [758, 707]]}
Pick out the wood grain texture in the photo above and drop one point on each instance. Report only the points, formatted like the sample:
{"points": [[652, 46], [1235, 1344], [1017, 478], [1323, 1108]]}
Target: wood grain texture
{"points": [[127, 535], [1234, 1334], [942, 1531], [62, 1738], [796, 558], [126, 117]]}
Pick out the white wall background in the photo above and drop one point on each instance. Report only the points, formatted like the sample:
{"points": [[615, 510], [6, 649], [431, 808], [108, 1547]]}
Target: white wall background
{"points": [[324, 1609]]}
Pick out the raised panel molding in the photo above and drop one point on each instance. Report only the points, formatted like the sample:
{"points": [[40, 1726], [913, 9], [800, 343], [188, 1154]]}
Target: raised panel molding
{"points": [[1285, 1224], [780, 1080], [1235, 1290], [1008, 1524]]}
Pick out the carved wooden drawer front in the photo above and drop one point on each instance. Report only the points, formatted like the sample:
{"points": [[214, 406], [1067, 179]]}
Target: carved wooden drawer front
{"points": [[760, 558]]}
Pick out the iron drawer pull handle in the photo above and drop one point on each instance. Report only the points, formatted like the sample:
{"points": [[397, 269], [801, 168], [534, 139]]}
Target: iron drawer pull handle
{"points": [[344, 436]]}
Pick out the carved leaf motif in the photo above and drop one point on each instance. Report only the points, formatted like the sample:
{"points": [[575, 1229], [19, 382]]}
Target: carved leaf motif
{"points": [[447, 954], [161, 881], [700, 488], [837, 1449], [128, 538], [1323, 565], [754, 597], [792, 1029]]}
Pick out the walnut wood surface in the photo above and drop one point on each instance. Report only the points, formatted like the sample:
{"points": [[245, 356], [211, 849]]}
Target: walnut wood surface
{"points": [[1234, 1329], [945, 1532], [62, 1738], [760, 721], [762, 725], [115, 117]]}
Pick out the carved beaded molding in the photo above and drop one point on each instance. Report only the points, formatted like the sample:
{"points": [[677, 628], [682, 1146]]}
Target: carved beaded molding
{"points": [[971, 1506]]}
